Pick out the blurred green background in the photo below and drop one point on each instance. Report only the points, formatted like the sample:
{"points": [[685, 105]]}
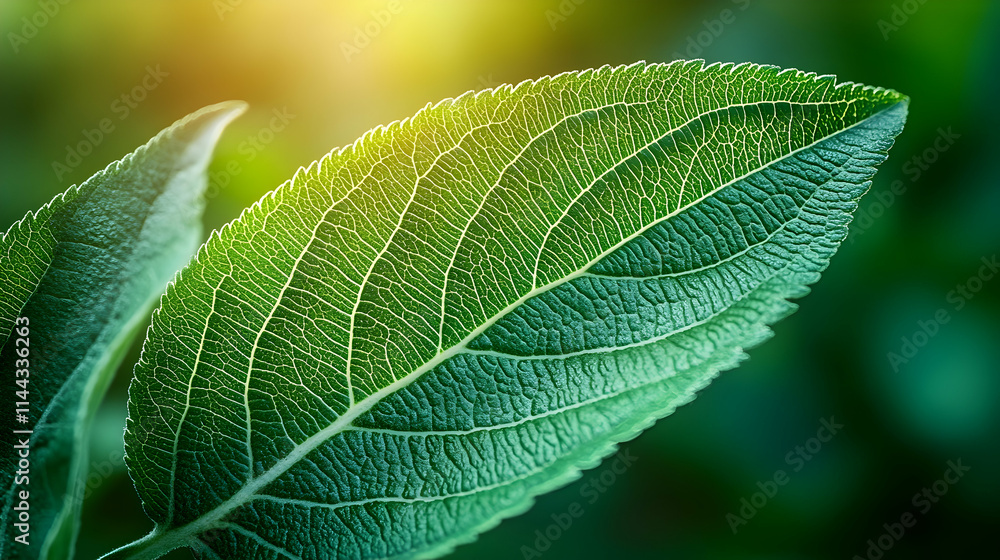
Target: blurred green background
{"points": [[932, 215]]}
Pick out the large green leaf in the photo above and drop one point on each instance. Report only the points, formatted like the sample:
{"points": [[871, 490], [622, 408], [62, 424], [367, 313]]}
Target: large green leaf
{"points": [[81, 274], [422, 331]]}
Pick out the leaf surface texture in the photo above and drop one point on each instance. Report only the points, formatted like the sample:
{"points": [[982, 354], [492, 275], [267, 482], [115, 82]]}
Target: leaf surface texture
{"points": [[420, 332]]}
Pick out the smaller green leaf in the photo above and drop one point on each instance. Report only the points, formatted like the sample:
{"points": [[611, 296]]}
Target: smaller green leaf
{"points": [[81, 274]]}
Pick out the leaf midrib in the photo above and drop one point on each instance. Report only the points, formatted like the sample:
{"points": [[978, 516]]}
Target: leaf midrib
{"points": [[307, 245], [489, 191], [602, 398], [291, 275], [597, 178]]}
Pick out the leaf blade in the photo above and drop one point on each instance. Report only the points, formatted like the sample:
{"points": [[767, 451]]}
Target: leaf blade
{"points": [[382, 293], [84, 270]]}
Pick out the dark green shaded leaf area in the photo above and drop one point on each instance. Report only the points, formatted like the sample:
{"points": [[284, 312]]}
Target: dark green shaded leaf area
{"points": [[421, 332], [81, 274]]}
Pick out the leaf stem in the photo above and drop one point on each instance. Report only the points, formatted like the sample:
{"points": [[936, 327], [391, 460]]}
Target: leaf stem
{"points": [[155, 544]]}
